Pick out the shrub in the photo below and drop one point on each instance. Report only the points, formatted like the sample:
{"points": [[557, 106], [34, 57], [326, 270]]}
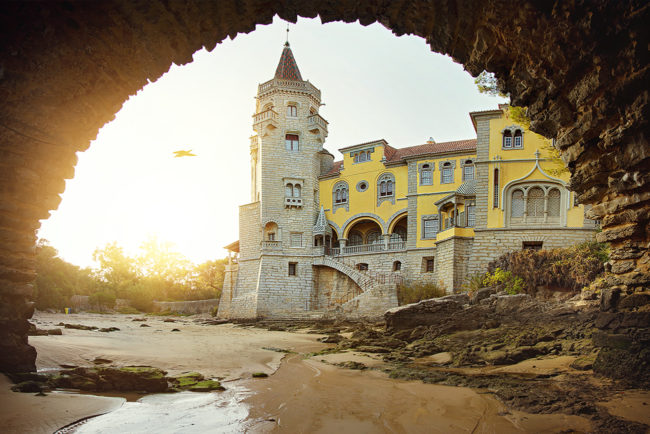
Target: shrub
{"points": [[412, 292], [102, 300], [568, 268], [506, 280], [474, 283]]}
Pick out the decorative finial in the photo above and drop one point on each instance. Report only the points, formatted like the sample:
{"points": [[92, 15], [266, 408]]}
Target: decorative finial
{"points": [[287, 43], [537, 154]]}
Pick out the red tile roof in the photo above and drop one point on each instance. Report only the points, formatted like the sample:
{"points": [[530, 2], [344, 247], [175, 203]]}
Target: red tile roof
{"points": [[393, 155], [287, 67]]}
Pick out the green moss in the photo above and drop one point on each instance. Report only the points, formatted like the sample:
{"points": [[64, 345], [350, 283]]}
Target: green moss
{"points": [[206, 386]]}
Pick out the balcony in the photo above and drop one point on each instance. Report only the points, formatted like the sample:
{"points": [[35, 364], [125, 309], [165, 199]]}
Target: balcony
{"points": [[271, 245], [317, 123], [360, 249], [290, 202], [268, 115]]}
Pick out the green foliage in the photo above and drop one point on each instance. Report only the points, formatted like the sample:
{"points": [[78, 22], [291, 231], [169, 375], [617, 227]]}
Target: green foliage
{"points": [[474, 283], [57, 280], [569, 268], [157, 273], [102, 300], [412, 292], [505, 280], [487, 82]]}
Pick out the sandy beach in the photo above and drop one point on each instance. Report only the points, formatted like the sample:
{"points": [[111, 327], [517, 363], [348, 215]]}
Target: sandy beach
{"points": [[302, 394]]}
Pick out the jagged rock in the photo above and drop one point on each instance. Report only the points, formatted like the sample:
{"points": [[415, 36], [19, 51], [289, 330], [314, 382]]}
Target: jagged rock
{"points": [[634, 300], [584, 363], [609, 299], [332, 339], [109, 329], [482, 294], [427, 312]]}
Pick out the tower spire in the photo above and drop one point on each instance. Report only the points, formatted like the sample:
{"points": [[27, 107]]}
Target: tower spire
{"points": [[287, 67]]}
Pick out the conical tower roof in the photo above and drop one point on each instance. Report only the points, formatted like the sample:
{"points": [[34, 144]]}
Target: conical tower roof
{"points": [[322, 227], [287, 68]]}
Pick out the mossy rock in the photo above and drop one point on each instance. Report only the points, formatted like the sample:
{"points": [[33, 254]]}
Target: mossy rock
{"points": [[195, 382], [30, 386], [206, 386]]}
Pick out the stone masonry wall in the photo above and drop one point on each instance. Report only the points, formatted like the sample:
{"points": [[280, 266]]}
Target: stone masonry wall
{"points": [[489, 244]]}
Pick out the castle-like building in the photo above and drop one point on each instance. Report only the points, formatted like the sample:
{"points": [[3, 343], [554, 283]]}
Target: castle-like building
{"points": [[323, 237]]}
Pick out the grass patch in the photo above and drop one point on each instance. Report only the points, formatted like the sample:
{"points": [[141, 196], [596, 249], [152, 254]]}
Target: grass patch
{"points": [[413, 292]]}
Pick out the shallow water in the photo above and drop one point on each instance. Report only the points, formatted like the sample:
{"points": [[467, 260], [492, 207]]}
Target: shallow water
{"points": [[216, 412]]}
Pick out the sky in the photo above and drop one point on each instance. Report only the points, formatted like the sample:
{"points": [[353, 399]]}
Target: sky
{"points": [[128, 187]]}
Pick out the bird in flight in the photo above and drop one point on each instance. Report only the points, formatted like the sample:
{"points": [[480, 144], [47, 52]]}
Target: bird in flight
{"points": [[178, 154]]}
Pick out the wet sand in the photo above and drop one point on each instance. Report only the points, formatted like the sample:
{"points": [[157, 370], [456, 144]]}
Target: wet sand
{"points": [[304, 395]]}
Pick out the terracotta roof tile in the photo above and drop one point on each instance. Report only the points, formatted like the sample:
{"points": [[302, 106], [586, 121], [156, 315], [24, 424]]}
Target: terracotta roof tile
{"points": [[432, 148], [287, 67]]}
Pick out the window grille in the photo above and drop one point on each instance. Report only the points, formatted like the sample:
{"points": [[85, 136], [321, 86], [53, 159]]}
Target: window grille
{"points": [[517, 205], [471, 216], [495, 203], [507, 140], [355, 239], [519, 140], [468, 173], [292, 268], [447, 174], [430, 228], [429, 265], [535, 203], [373, 237], [553, 206], [426, 177]]}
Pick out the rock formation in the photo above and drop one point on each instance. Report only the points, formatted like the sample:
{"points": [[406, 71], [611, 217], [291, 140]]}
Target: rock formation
{"points": [[66, 68]]}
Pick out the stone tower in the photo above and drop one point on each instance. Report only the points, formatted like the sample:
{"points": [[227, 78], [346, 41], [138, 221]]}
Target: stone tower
{"points": [[275, 276]]}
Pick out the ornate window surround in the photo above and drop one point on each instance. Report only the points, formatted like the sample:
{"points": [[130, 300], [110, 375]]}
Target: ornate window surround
{"points": [[467, 163], [441, 167], [388, 178], [525, 188], [432, 217], [512, 131], [362, 155], [425, 167], [342, 187]]}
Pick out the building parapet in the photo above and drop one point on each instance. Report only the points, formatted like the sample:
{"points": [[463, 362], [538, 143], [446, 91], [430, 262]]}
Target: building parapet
{"points": [[280, 84]]}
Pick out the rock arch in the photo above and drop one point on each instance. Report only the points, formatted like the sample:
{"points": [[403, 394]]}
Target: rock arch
{"points": [[67, 68]]}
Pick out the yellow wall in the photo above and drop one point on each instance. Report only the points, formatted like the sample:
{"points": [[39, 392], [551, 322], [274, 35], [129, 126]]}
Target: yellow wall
{"points": [[365, 202], [513, 170]]}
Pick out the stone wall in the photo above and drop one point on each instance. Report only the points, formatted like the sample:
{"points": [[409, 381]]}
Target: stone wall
{"points": [[67, 68], [188, 307], [489, 244]]}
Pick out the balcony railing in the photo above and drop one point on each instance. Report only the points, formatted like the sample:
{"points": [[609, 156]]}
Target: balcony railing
{"points": [[362, 248], [268, 114], [273, 245], [292, 201], [277, 83], [318, 120]]}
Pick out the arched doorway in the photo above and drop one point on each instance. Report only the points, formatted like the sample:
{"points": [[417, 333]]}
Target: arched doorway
{"points": [[365, 235]]}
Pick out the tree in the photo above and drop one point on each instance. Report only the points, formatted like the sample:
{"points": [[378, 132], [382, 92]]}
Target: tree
{"points": [[117, 272]]}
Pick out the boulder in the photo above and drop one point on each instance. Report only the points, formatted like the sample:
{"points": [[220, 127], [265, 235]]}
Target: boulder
{"points": [[482, 294], [427, 312]]}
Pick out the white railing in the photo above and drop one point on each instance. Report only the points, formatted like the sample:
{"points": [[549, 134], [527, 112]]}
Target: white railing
{"points": [[361, 248], [274, 245], [288, 84], [268, 114], [318, 120]]}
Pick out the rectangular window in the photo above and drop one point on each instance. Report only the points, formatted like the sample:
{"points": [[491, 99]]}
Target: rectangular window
{"points": [[291, 142], [495, 202], [507, 142], [471, 216], [468, 173], [532, 245], [292, 111], [447, 175], [426, 177], [292, 268], [430, 228], [428, 265], [518, 142], [271, 236], [296, 240]]}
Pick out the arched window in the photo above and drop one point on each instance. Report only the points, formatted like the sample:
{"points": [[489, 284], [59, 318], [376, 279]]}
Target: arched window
{"points": [[288, 190], [296, 190], [507, 139], [535, 202], [517, 206], [468, 170], [355, 238], [373, 237], [519, 139], [553, 206], [291, 142], [397, 266], [340, 195], [426, 175]]}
